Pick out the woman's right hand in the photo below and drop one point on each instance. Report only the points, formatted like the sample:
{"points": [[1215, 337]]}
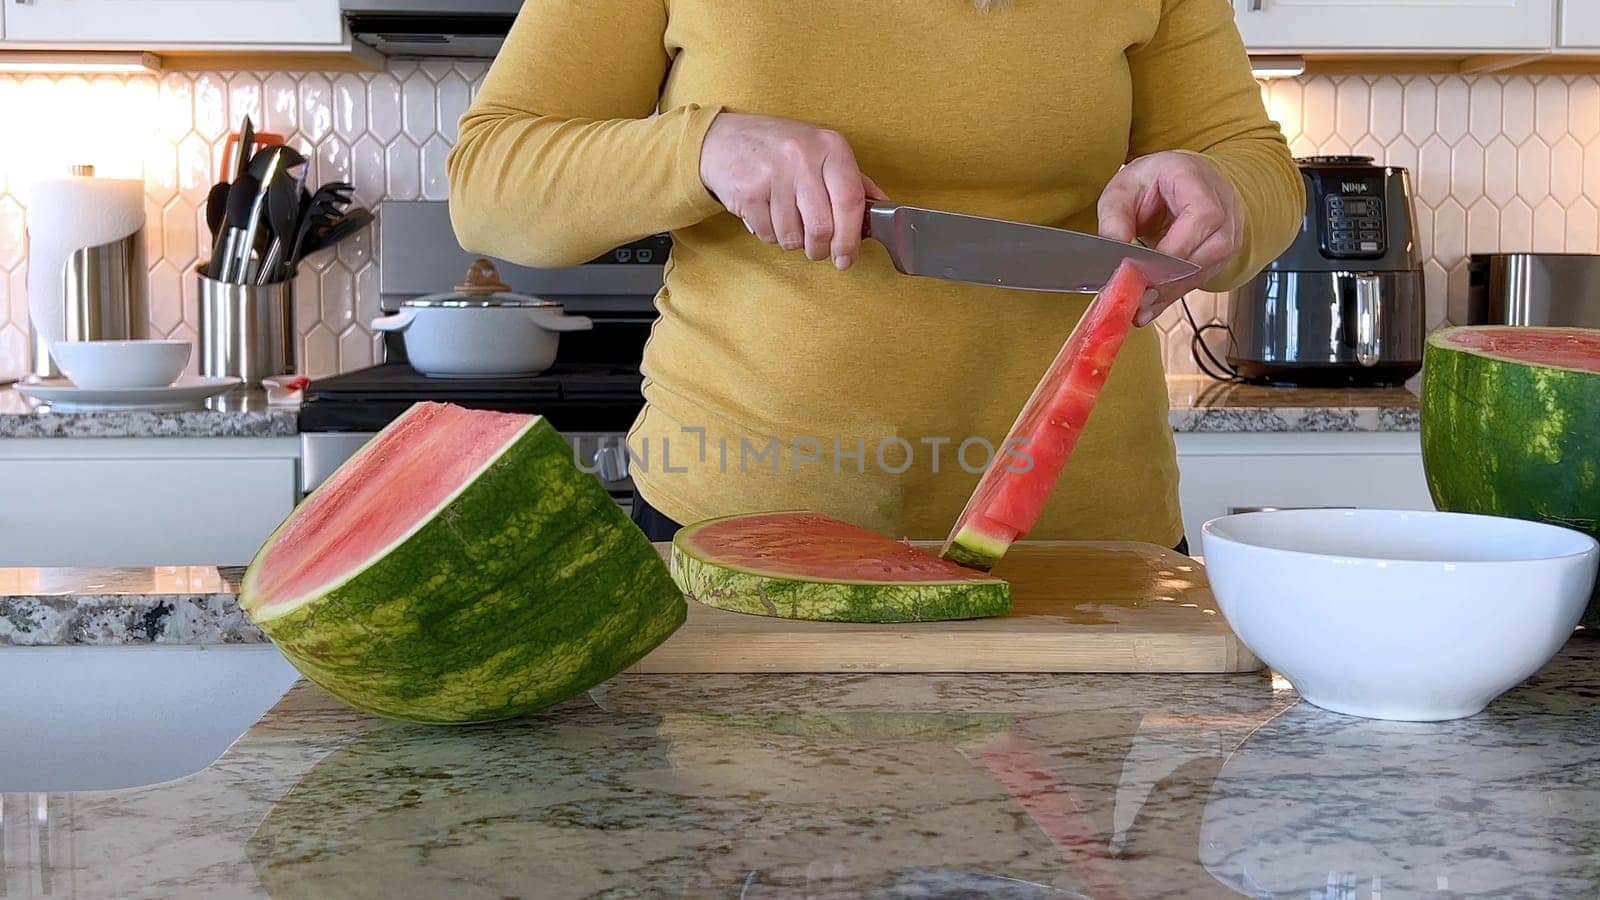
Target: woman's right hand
{"points": [[793, 184]]}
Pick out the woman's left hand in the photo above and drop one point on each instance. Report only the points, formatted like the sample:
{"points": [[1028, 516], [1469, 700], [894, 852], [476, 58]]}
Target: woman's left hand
{"points": [[1184, 207]]}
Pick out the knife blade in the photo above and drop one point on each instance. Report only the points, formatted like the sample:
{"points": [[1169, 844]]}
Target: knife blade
{"points": [[957, 247]]}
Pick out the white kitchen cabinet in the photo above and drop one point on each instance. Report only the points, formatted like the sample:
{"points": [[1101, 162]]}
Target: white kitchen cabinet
{"points": [[148, 24], [1580, 24], [1223, 473], [142, 502], [1398, 25]]}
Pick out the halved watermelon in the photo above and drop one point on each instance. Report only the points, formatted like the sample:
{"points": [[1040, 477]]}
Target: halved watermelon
{"points": [[804, 565], [1012, 493], [460, 568], [1511, 425]]}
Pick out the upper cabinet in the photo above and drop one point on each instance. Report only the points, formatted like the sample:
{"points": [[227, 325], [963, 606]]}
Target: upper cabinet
{"points": [[1402, 25], [154, 24], [1580, 23]]}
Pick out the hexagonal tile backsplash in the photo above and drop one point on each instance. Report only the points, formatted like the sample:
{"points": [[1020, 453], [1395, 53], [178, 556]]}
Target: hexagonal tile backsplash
{"points": [[1499, 163]]}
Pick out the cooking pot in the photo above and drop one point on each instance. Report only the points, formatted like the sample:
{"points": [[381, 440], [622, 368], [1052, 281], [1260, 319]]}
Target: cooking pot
{"points": [[481, 329]]}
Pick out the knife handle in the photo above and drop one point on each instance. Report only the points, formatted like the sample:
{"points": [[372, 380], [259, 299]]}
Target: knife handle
{"points": [[878, 219]]}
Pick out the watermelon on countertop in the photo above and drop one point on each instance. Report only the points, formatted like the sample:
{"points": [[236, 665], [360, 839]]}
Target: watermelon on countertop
{"points": [[461, 568], [1511, 425]]}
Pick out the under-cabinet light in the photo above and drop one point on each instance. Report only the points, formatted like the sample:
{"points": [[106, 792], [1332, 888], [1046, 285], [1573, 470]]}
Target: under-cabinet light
{"points": [[53, 62], [1277, 66]]}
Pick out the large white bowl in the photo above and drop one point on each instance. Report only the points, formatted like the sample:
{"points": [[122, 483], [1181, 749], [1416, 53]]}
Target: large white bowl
{"points": [[1417, 616], [102, 365]]}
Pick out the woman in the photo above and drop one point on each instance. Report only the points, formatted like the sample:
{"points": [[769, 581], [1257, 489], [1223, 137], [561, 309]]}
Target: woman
{"points": [[791, 366]]}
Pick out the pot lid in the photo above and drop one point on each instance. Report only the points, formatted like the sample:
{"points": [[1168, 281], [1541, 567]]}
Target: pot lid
{"points": [[483, 288]]}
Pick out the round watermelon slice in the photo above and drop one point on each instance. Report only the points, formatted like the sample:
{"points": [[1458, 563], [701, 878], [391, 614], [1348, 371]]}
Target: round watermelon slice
{"points": [[461, 568], [1511, 425], [1012, 493], [803, 565]]}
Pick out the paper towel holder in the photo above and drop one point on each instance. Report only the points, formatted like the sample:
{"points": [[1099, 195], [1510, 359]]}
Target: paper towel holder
{"points": [[105, 292]]}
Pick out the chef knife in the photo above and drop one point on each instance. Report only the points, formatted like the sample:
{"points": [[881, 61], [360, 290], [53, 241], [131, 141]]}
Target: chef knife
{"points": [[995, 252]]}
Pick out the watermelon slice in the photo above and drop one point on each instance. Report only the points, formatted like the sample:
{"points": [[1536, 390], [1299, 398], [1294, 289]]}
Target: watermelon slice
{"points": [[460, 568], [803, 565], [1012, 493]]}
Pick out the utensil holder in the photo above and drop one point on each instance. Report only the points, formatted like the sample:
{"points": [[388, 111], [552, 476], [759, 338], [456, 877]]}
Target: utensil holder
{"points": [[246, 330]]}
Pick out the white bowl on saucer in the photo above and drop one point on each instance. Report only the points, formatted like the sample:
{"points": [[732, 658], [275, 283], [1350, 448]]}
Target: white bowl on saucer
{"points": [[105, 365], [1389, 614]]}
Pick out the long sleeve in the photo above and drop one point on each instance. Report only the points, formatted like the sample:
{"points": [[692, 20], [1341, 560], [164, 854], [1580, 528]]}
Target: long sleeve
{"points": [[1193, 91], [561, 155]]}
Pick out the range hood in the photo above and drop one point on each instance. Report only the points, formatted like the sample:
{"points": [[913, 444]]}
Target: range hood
{"points": [[464, 29]]}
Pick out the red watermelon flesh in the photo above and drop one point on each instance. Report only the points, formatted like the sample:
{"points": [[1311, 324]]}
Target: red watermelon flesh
{"points": [[1562, 348], [818, 547], [389, 489], [1013, 491]]}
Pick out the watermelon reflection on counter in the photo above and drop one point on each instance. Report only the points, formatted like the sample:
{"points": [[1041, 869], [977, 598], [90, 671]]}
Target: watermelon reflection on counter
{"points": [[1511, 425]]}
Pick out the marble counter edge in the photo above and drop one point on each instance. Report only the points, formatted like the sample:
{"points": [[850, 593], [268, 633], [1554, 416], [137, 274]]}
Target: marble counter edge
{"points": [[197, 423], [99, 614]]}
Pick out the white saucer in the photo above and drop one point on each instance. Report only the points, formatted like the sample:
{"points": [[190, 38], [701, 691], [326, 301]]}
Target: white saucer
{"points": [[188, 392]]}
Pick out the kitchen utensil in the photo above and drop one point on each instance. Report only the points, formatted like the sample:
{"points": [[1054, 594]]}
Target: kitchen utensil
{"points": [[481, 329], [265, 167], [246, 330], [339, 229], [1344, 304], [1389, 614], [326, 205], [87, 275], [239, 149], [995, 252], [283, 214], [1560, 289], [217, 209], [230, 244], [188, 392], [1077, 607], [244, 144], [111, 365]]}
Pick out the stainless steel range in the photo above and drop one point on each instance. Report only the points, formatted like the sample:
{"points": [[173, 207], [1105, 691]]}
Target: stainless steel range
{"points": [[591, 394]]}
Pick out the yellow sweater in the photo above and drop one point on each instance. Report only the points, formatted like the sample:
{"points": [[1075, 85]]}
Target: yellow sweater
{"points": [[587, 132]]}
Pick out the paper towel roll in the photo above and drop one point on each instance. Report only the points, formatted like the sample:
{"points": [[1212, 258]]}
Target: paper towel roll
{"points": [[65, 215]]}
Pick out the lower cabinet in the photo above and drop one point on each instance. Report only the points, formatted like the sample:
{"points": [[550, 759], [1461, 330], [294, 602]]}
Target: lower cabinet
{"points": [[143, 502], [1225, 473]]}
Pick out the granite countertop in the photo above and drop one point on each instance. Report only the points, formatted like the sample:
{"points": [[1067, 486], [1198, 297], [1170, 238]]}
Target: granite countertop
{"points": [[1104, 786], [1200, 404], [235, 414], [42, 607]]}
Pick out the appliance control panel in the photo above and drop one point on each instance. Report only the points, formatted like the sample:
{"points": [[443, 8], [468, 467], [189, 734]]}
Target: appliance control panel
{"points": [[648, 251], [1353, 218]]}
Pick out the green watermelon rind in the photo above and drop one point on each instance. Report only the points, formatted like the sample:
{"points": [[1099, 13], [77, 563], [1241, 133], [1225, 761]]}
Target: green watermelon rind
{"points": [[1506, 437], [532, 575], [787, 596], [972, 548]]}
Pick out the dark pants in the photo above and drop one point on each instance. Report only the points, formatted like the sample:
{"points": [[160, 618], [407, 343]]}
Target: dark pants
{"points": [[658, 527]]}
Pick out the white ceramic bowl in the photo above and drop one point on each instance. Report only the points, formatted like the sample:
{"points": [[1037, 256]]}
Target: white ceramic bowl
{"points": [[107, 365], [1418, 616]]}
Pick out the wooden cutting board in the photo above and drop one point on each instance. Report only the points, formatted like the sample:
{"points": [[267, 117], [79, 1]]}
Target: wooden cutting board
{"points": [[1078, 607]]}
